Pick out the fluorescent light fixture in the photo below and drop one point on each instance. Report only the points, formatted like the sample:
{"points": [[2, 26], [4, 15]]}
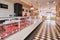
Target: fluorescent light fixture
{"points": [[32, 8]]}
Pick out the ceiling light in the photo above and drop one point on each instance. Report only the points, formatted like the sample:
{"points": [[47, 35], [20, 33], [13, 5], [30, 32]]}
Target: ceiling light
{"points": [[31, 8]]}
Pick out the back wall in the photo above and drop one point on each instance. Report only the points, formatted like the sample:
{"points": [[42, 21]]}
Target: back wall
{"points": [[7, 12]]}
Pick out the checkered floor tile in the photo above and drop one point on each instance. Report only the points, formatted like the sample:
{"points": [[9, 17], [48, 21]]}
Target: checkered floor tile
{"points": [[48, 31]]}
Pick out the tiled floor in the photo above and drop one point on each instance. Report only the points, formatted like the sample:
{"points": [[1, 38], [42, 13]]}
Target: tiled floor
{"points": [[48, 31]]}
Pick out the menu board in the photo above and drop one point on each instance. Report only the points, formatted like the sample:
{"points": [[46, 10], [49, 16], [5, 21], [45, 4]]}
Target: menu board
{"points": [[3, 6]]}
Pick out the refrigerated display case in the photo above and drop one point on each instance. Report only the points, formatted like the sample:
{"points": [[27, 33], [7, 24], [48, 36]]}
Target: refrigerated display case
{"points": [[8, 28], [25, 22], [20, 27]]}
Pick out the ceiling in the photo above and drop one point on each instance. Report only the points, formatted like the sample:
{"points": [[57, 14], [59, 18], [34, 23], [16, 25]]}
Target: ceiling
{"points": [[37, 3], [21, 2], [43, 3]]}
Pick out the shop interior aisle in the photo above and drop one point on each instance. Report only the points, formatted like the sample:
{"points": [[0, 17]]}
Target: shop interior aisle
{"points": [[48, 30]]}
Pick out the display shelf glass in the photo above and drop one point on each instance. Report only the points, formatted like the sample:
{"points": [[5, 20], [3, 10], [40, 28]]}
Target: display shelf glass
{"points": [[25, 22]]}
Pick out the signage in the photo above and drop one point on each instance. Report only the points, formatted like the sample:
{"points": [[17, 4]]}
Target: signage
{"points": [[3, 6]]}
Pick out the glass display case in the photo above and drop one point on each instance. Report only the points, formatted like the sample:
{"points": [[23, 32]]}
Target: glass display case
{"points": [[25, 22], [9, 26]]}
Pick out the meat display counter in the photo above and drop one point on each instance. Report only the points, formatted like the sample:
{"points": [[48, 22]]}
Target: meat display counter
{"points": [[8, 28], [20, 27], [25, 22]]}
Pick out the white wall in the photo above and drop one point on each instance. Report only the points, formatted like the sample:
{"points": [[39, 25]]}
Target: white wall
{"points": [[6, 12]]}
